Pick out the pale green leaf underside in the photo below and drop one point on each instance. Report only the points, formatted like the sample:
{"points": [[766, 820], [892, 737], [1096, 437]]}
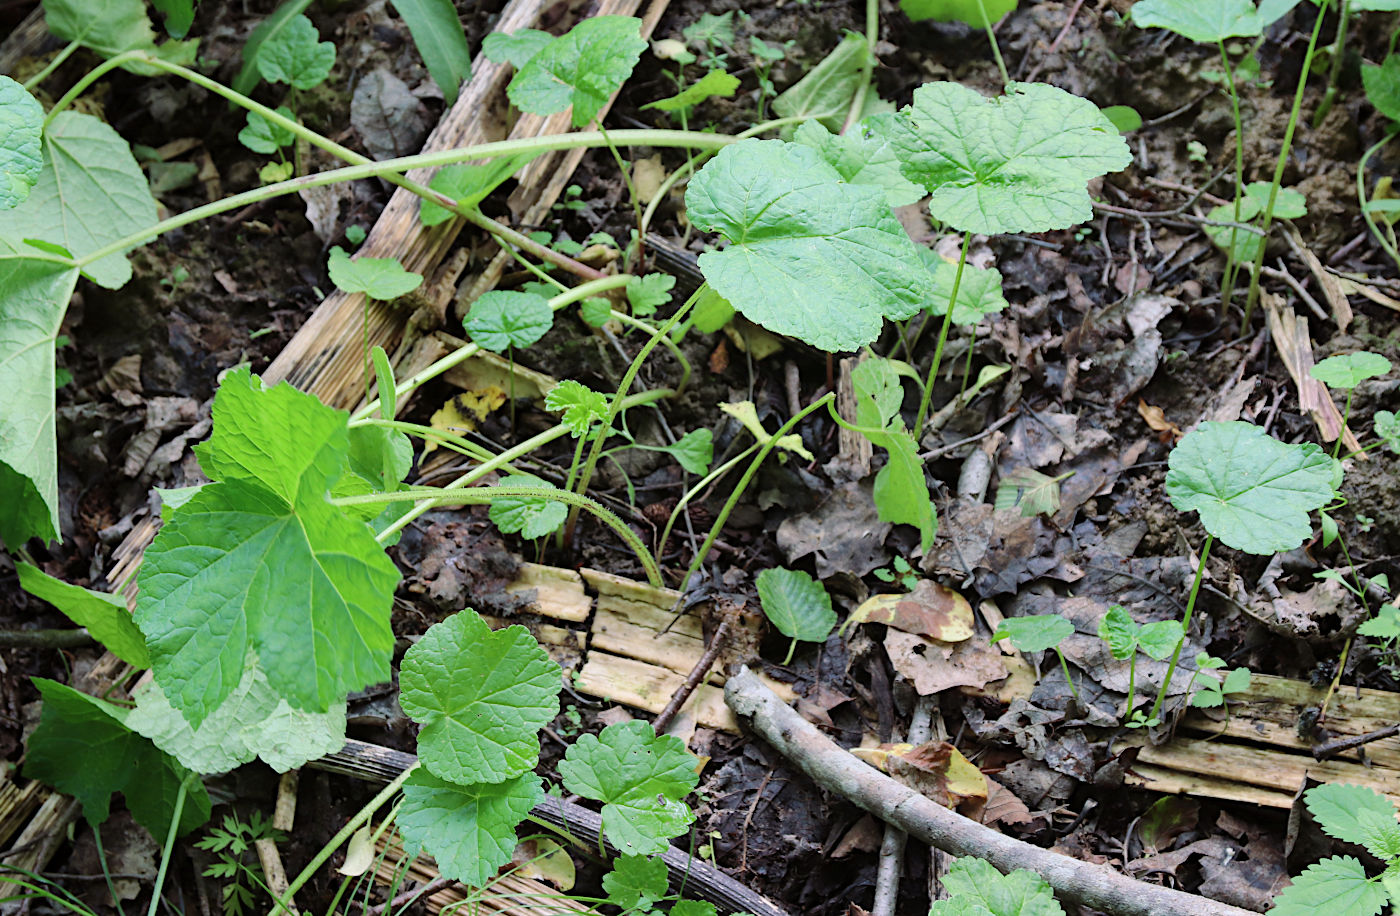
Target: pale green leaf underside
{"points": [[252, 722], [108, 27], [481, 697], [104, 615], [34, 294], [1200, 20], [21, 135], [1017, 163], [1335, 885], [582, 68], [825, 93], [468, 830], [809, 255], [90, 193], [796, 604], [1253, 492]]}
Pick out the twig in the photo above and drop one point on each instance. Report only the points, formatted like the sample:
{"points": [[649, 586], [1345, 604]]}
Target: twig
{"points": [[1328, 749], [1055, 45], [838, 771], [695, 677], [284, 815], [954, 446]]}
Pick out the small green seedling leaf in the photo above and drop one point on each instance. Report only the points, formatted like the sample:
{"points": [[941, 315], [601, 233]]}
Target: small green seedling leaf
{"points": [[468, 184], [262, 136], [531, 516], [1036, 633], [863, 155], [646, 294], [694, 451], [1387, 426], [843, 261], [977, 13], [712, 30], [1347, 370], [582, 68], [1355, 814], [104, 615], [295, 55], [1206, 21], [438, 35], [715, 83], [469, 830], [636, 882], [515, 48], [1385, 625], [1035, 493], [797, 605], [979, 293], [1123, 117], [595, 312], [826, 92], [21, 137], [377, 278], [1289, 203], [747, 414], [1018, 163], [978, 889], [641, 778], [90, 193], [693, 908], [581, 406], [1120, 631], [1382, 83], [1160, 640], [253, 722], [280, 20], [84, 748], [712, 312], [1335, 885], [481, 696], [500, 320], [1252, 491]]}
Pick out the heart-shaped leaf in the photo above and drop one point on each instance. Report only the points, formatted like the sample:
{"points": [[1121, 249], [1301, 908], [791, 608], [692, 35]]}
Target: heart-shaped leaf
{"points": [[1036, 633], [377, 278], [1347, 370], [500, 320]]}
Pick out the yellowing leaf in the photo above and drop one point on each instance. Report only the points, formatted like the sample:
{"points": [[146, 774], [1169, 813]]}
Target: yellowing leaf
{"points": [[929, 610], [464, 412], [941, 772], [747, 414]]}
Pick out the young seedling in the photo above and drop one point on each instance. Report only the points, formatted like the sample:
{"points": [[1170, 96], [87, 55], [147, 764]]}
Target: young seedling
{"points": [[1036, 634], [1352, 814], [502, 321], [1347, 370], [899, 571], [1125, 637], [797, 605], [1210, 691]]}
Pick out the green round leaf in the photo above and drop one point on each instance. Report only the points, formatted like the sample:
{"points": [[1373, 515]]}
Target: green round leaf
{"points": [[1160, 639], [468, 830], [636, 882], [469, 185], [582, 68], [481, 696], [500, 320], [641, 778], [1206, 21], [1123, 117], [1036, 633], [262, 136], [377, 278], [1252, 491], [294, 55], [796, 604], [531, 516], [21, 130], [1347, 370]]}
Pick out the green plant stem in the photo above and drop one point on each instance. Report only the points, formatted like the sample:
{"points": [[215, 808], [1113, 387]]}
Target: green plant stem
{"points": [[744, 481], [343, 836], [1185, 627], [867, 66], [615, 407], [1064, 666], [996, 47], [170, 837], [1334, 75], [1385, 243], [1132, 685], [45, 73], [427, 433], [690, 494], [1227, 288], [631, 194], [942, 339], [1268, 219], [107, 871], [461, 354], [1342, 433]]}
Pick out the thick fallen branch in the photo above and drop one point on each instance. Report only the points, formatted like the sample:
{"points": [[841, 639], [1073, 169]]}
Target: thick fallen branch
{"points": [[838, 771]]}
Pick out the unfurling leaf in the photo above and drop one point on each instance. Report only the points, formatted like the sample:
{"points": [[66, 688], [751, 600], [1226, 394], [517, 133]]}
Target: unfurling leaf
{"points": [[377, 278], [900, 491]]}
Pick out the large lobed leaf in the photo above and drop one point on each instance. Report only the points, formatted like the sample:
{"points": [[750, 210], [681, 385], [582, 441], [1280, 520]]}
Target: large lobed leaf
{"points": [[1252, 491], [469, 830], [809, 255], [1018, 163], [863, 155], [261, 561], [582, 68]]}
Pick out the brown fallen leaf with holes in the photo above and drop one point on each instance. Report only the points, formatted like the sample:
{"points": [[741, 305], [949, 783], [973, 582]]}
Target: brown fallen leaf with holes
{"points": [[1157, 420], [929, 610], [936, 769]]}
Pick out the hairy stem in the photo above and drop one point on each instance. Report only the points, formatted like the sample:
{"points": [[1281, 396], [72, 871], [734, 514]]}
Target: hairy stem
{"points": [[170, 837]]}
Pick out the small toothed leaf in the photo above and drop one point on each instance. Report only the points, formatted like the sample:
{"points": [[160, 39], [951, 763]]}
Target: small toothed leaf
{"points": [[378, 278], [469, 830], [294, 55], [531, 516], [501, 319]]}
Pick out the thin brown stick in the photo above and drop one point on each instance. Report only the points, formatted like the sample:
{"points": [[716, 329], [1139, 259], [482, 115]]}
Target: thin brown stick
{"points": [[1337, 746], [836, 770], [695, 677]]}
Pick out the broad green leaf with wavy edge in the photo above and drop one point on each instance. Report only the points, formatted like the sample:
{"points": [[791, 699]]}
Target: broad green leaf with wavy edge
{"points": [[468, 184], [515, 48], [21, 138], [712, 84], [976, 887], [975, 13], [469, 830], [979, 293], [295, 55], [252, 722], [1037, 632], [260, 560], [500, 319], [580, 405], [481, 696], [437, 33], [34, 294], [1252, 491], [636, 882], [90, 193], [640, 777], [796, 604], [1016, 163], [377, 278], [1200, 20], [863, 155], [1335, 885], [809, 255], [84, 748], [1347, 370], [104, 615], [582, 68], [530, 516], [1354, 814], [900, 489], [262, 136]]}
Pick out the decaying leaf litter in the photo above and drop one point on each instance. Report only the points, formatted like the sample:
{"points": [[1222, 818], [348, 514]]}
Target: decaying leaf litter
{"points": [[1049, 485]]}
